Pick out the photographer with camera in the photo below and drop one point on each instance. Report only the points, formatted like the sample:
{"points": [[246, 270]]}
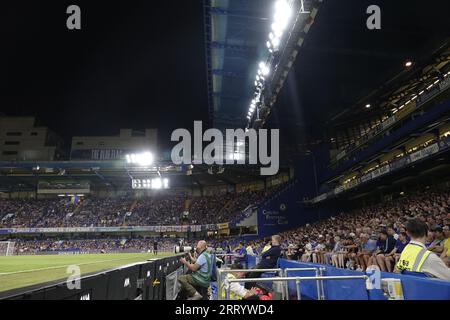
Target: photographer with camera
{"points": [[200, 276]]}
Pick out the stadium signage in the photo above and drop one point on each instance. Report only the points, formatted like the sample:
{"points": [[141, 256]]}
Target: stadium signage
{"points": [[222, 151], [178, 228]]}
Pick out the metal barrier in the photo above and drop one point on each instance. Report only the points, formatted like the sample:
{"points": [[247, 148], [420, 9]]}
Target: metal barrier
{"points": [[225, 255], [296, 279], [220, 272], [319, 283]]}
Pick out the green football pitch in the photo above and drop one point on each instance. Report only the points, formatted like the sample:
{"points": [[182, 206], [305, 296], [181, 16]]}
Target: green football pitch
{"points": [[21, 271]]}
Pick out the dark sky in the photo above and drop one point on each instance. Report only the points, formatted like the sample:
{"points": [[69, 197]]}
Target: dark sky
{"points": [[136, 64], [141, 64]]}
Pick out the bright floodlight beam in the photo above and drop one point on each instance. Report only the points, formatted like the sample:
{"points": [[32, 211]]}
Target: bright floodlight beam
{"points": [[283, 11], [141, 159]]}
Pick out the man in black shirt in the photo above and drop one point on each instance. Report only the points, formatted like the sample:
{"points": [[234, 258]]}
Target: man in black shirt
{"points": [[385, 245], [269, 259]]}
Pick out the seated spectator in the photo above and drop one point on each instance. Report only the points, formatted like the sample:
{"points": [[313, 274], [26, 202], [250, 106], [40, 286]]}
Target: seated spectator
{"points": [[269, 259], [367, 248], [241, 254], [319, 251], [437, 246], [393, 257], [385, 245]]}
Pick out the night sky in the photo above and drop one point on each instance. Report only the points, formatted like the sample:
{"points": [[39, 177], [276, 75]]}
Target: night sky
{"points": [[133, 65], [141, 64]]}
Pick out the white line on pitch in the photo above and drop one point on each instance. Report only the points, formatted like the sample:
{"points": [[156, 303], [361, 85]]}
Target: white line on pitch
{"points": [[58, 267]]}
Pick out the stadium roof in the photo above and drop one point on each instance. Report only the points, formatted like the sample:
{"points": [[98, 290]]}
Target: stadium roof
{"points": [[26, 175], [339, 63], [236, 33]]}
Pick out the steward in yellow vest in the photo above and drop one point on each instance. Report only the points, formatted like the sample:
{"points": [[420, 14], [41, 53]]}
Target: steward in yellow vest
{"points": [[416, 257], [413, 256]]}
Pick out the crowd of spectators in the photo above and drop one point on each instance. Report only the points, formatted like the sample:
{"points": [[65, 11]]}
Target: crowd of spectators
{"points": [[162, 209], [109, 245], [373, 235]]}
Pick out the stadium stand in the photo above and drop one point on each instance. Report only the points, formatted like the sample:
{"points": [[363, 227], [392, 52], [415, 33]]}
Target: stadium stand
{"points": [[125, 211]]}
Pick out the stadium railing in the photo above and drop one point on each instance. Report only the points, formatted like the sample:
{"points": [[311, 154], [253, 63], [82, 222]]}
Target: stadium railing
{"points": [[413, 287]]}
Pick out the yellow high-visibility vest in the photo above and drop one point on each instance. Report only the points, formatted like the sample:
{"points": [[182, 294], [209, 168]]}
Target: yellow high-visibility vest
{"points": [[266, 247], [233, 296], [412, 258]]}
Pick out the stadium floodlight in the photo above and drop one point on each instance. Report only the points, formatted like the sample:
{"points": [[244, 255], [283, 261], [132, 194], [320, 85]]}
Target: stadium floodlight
{"points": [[264, 68], [368, 106], [276, 42], [156, 183], [278, 33], [283, 11], [141, 159], [269, 45], [408, 64]]}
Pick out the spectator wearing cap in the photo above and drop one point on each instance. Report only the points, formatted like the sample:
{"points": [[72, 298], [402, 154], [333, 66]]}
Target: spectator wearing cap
{"points": [[385, 245]]}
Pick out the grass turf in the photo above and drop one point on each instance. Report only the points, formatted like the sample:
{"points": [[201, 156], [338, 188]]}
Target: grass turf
{"points": [[21, 271]]}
